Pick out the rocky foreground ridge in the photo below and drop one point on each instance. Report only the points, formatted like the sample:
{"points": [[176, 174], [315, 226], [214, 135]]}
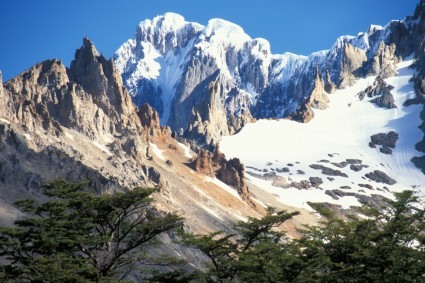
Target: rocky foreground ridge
{"points": [[79, 123]]}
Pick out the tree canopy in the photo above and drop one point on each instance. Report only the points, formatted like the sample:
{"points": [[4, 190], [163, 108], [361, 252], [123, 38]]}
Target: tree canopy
{"points": [[77, 236]]}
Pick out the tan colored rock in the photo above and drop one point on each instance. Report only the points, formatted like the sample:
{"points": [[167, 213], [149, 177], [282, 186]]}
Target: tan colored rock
{"points": [[303, 114], [384, 61], [318, 98], [203, 163], [352, 61]]}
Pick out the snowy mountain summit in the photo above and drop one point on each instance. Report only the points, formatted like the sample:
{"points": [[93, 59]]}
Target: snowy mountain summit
{"points": [[180, 68], [212, 80]]}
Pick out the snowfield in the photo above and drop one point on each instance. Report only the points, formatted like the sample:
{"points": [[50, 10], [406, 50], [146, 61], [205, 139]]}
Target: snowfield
{"points": [[338, 133]]}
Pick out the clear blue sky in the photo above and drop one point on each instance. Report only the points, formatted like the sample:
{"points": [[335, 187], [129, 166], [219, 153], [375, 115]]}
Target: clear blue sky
{"points": [[35, 30]]}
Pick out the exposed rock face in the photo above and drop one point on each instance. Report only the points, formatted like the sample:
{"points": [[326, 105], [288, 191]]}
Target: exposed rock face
{"points": [[48, 106], [233, 174], [352, 62], [209, 119], [318, 98], [2, 98], [150, 122], [204, 163], [330, 87], [48, 96], [1, 83], [304, 114], [384, 61]]}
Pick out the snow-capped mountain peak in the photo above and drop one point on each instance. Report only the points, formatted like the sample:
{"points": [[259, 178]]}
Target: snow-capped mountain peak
{"points": [[172, 64]]}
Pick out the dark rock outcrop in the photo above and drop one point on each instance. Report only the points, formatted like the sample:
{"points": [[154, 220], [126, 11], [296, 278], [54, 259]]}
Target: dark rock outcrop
{"points": [[303, 114], [328, 171], [316, 181], [386, 141], [148, 117], [381, 177], [231, 172], [381, 89]]}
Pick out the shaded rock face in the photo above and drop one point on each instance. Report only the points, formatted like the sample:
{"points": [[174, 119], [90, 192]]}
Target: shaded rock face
{"points": [[330, 87], [148, 116], [412, 39], [24, 170]]}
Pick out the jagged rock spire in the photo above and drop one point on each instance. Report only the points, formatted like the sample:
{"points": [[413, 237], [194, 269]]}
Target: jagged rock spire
{"points": [[89, 69], [318, 98]]}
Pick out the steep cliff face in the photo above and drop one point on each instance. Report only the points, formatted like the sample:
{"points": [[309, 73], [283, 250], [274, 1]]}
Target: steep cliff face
{"points": [[352, 62]]}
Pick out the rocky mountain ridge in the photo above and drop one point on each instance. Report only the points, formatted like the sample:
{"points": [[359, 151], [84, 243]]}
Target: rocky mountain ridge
{"points": [[79, 123]]}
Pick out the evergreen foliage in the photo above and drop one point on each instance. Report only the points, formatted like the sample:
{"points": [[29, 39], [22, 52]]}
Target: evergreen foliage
{"points": [[77, 236]]}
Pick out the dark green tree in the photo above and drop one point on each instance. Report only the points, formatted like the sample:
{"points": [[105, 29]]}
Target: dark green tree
{"points": [[255, 252], [77, 236], [387, 244]]}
